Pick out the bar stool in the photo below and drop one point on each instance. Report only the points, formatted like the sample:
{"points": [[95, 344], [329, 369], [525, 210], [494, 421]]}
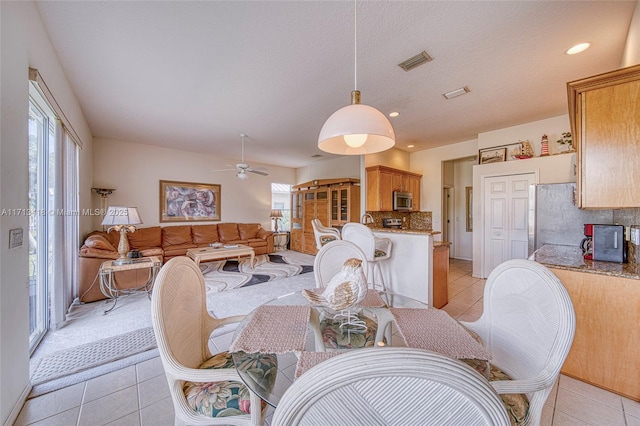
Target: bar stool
{"points": [[375, 249], [323, 234]]}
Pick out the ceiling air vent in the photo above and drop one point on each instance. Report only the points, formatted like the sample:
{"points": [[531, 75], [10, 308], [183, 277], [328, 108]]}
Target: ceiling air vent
{"points": [[415, 61]]}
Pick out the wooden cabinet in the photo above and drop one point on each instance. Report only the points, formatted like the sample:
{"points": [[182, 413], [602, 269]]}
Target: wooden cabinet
{"points": [[314, 206], [605, 346], [440, 275], [382, 181], [333, 201], [296, 240], [605, 123], [345, 204]]}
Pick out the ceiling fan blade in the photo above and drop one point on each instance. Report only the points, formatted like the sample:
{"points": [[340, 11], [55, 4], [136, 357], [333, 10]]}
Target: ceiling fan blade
{"points": [[258, 172], [224, 170]]}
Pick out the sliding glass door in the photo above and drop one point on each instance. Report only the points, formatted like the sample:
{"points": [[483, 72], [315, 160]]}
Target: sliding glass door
{"points": [[41, 197]]}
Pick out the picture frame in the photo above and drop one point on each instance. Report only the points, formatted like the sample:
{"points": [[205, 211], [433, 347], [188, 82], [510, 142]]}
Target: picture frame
{"points": [[189, 201], [492, 155], [15, 238], [469, 205]]}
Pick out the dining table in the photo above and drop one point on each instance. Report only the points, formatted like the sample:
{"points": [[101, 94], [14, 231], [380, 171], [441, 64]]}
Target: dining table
{"points": [[286, 336]]}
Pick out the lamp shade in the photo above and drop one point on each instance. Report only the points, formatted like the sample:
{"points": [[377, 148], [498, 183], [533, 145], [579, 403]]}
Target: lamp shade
{"points": [[276, 213], [356, 122], [118, 215]]}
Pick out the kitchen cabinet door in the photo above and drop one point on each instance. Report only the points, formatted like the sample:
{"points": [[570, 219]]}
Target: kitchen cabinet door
{"points": [[379, 190], [413, 186], [605, 118]]}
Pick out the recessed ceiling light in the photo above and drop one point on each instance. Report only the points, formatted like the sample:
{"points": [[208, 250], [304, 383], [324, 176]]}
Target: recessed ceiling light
{"points": [[458, 92], [578, 48], [394, 114], [410, 146]]}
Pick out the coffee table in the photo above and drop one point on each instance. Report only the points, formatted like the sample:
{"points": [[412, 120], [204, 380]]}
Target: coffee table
{"points": [[210, 253]]}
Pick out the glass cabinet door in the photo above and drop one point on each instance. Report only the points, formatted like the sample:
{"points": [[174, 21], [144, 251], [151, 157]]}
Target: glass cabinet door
{"points": [[334, 205], [344, 205]]}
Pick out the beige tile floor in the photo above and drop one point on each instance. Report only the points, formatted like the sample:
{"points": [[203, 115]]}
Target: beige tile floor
{"points": [[138, 395]]}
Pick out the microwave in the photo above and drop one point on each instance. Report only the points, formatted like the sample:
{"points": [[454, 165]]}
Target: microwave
{"points": [[402, 201]]}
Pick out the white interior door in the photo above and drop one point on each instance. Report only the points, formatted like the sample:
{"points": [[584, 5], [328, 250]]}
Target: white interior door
{"points": [[506, 226]]}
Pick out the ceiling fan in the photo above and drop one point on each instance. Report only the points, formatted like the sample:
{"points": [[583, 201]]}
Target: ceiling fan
{"points": [[242, 168]]}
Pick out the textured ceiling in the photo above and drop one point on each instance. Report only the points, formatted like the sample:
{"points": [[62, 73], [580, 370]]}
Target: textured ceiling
{"points": [[194, 75]]}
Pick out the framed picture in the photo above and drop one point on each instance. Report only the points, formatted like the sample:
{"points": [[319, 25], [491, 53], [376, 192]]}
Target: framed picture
{"points": [[15, 237], [492, 155], [189, 201], [469, 204]]}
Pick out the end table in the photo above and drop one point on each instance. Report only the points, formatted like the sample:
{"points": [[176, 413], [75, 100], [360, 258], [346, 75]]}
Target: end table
{"points": [[109, 286], [280, 240]]}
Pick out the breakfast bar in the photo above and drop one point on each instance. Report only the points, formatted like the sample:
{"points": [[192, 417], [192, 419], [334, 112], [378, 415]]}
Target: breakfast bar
{"points": [[409, 270]]}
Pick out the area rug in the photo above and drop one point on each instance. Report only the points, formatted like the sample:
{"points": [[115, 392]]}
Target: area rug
{"points": [[225, 275], [91, 355]]}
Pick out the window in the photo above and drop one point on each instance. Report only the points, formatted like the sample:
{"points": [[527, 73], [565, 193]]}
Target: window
{"points": [[281, 200], [53, 217]]}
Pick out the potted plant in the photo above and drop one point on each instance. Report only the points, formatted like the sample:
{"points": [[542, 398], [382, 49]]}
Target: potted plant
{"points": [[566, 140]]}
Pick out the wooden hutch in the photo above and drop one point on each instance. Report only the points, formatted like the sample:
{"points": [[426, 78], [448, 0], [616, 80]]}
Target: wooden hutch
{"points": [[333, 201]]}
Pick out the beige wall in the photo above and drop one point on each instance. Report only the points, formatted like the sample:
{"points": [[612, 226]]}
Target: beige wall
{"points": [[135, 171], [393, 157], [24, 44], [463, 177], [429, 164], [631, 54], [347, 166], [553, 127]]}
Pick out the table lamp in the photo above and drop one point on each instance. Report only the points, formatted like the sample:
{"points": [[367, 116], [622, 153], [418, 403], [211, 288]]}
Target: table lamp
{"points": [[122, 219], [276, 215]]}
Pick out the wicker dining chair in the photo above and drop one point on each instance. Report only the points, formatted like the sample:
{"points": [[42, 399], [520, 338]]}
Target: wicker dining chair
{"points": [[390, 386], [197, 380], [323, 234], [527, 325]]}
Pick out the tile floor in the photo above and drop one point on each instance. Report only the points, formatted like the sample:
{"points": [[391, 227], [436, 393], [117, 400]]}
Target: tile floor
{"points": [[138, 395]]}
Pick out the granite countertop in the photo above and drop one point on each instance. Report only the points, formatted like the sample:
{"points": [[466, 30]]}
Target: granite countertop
{"points": [[405, 231], [570, 258], [441, 244]]}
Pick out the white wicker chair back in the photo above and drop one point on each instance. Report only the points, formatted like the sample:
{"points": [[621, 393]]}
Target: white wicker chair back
{"points": [[390, 386], [331, 257]]}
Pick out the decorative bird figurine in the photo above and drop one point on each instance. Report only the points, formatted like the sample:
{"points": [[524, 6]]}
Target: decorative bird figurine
{"points": [[345, 290]]}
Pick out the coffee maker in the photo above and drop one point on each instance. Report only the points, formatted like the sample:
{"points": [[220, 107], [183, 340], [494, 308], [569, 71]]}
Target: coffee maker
{"points": [[604, 242]]}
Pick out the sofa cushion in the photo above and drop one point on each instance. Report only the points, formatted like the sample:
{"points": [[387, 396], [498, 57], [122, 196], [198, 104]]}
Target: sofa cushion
{"points": [[248, 230], [263, 233], [177, 250], [204, 234], [152, 251], [228, 232], [100, 242], [256, 242], [243, 242], [145, 238], [98, 253], [176, 235]]}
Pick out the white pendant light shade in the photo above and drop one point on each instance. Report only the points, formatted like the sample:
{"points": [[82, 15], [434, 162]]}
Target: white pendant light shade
{"points": [[355, 130]]}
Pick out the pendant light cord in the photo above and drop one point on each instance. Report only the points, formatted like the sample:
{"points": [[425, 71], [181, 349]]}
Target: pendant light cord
{"points": [[355, 44]]}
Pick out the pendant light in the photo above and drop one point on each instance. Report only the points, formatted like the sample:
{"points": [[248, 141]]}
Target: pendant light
{"points": [[356, 129]]}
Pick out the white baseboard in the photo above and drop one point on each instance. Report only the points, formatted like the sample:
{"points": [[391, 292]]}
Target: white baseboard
{"points": [[15, 411]]}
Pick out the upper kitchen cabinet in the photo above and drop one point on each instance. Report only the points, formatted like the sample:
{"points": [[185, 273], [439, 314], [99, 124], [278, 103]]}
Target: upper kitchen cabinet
{"points": [[382, 181], [605, 121]]}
